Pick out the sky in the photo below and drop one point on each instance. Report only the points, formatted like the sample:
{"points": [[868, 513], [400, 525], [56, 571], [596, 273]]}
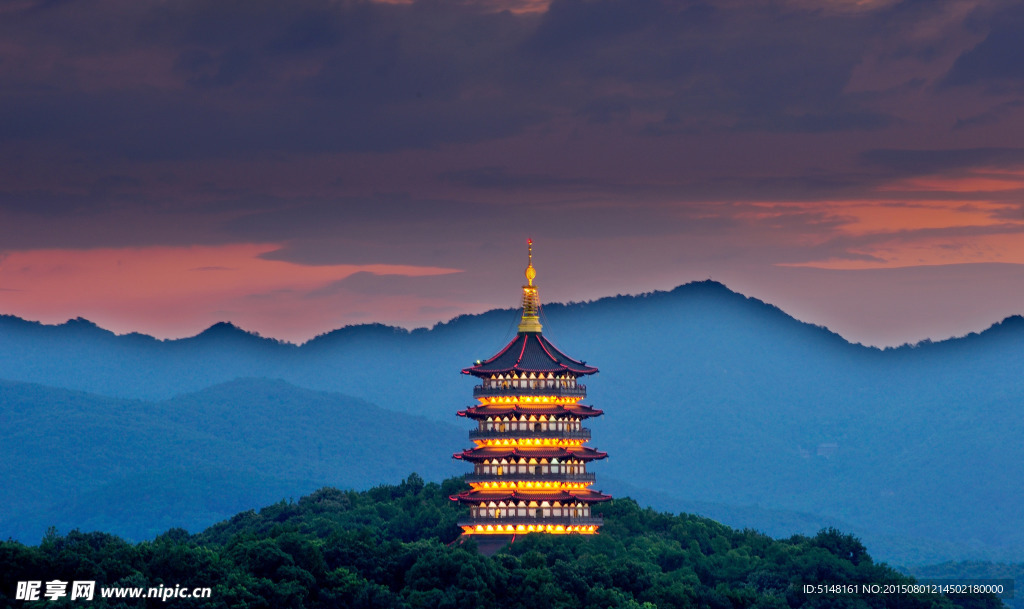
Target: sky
{"points": [[294, 167]]}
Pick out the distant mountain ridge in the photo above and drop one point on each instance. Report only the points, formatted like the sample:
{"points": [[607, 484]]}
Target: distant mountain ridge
{"points": [[710, 397], [78, 354], [138, 468]]}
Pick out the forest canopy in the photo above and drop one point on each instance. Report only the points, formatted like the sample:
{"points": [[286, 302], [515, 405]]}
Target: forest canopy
{"points": [[399, 546]]}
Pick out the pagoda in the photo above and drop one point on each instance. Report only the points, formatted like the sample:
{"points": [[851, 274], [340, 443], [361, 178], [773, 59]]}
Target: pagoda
{"points": [[530, 459]]}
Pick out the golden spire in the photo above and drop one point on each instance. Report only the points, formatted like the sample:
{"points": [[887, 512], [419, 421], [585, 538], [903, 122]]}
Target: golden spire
{"points": [[531, 301], [530, 272]]}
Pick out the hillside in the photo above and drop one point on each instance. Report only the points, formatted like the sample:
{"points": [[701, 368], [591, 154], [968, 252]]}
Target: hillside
{"points": [[135, 468], [712, 398], [138, 468], [393, 546]]}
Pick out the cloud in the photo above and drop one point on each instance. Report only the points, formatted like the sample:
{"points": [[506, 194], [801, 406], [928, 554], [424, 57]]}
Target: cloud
{"points": [[748, 65], [995, 61], [160, 288], [990, 116], [635, 137], [272, 78], [383, 284], [917, 246], [917, 162], [500, 178], [203, 80]]}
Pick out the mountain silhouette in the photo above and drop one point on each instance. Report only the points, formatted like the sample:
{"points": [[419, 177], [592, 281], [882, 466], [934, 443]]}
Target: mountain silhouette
{"points": [[711, 398]]}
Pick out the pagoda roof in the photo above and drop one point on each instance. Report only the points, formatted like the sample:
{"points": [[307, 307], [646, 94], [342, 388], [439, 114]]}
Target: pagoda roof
{"points": [[530, 352], [498, 410], [582, 453], [563, 496]]}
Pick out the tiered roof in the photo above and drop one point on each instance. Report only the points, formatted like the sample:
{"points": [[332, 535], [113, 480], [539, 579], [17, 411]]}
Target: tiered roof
{"points": [[515, 496], [583, 453], [501, 410], [530, 352]]}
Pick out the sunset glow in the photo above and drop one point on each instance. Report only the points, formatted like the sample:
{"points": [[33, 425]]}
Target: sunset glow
{"points": [[171, 287], [167, 166]]}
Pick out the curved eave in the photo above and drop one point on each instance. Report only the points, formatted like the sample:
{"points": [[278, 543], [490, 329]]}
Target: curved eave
{"points": [[488, 410], [530, 352], [478, 496], [582, 453]]}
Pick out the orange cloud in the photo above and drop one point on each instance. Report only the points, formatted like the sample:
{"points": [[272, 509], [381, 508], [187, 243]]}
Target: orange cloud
{"points": [[974, 181], [870, 217], [901, 251], [169, 289], [893, 232]]}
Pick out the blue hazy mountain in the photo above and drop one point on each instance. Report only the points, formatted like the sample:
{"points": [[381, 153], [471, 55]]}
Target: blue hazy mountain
{"points": [[137, 468], [712, 398]]}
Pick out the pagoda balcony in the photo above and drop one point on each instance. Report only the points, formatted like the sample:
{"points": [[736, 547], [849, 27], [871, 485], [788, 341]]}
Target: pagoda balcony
{"points": [[528, 520], [494, 434], [577, 391], [523, 477]]}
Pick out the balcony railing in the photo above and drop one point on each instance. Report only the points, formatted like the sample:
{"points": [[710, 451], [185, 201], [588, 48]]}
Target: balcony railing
{"points": [[529, 477], [527, 520], [539, 389], [487, 434]]}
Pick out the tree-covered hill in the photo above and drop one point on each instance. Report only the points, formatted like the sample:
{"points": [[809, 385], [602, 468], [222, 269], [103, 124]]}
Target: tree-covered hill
{"points": [[397, 546]]}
